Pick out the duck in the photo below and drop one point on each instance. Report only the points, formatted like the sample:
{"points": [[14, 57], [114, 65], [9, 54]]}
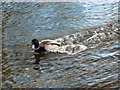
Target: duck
{"points": [[39, 46]]}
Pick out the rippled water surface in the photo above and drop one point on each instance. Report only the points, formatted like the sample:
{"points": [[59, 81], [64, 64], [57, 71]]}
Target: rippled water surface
{"points": [[91, 24]]}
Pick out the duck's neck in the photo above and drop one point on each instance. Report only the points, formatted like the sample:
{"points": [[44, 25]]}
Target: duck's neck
{"points": [[36, 45]]}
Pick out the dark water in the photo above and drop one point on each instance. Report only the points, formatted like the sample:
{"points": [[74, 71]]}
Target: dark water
{"points": [[92, 25]]}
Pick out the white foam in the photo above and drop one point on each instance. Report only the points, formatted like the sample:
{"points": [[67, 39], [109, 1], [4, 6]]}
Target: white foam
{"points": [[98, 1], [68, 49]]}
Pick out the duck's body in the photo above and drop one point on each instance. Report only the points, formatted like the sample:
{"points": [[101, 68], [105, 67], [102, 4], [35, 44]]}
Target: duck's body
{"points": [[40, 46]]}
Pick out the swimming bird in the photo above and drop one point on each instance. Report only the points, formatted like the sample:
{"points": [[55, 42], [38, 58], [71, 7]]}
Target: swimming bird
{"points": [[40, 46]]}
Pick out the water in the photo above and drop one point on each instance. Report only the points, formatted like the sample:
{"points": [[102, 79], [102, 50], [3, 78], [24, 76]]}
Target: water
{"points": [[93, 25], [53, 20]]}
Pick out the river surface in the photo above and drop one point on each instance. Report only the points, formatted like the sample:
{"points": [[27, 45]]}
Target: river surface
{"points": [[93, 25]]}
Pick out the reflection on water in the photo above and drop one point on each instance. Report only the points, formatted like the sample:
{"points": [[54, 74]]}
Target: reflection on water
{"points": [[96, 67], [38, 57]]}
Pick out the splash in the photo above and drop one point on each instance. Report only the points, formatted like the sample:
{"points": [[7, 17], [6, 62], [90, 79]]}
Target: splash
{"points": [[68, 49], [80, 41]]}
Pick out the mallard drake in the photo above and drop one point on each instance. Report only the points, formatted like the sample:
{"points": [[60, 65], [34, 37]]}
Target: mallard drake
{"points": [[40, 46]]}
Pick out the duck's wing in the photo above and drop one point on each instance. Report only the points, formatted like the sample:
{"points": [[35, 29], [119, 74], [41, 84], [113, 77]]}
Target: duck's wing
{"points": [[54, 43], [44, 42], [49, 42]]}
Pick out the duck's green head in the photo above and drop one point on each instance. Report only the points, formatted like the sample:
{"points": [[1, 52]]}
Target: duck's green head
{"points": [[35, 42]]}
